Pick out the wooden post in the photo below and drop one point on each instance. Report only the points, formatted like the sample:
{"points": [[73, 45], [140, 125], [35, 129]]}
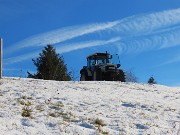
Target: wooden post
{"points": [[1, 44]]}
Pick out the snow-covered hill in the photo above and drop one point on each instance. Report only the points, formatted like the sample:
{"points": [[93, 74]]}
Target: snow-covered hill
{"points": [[35, 107]]}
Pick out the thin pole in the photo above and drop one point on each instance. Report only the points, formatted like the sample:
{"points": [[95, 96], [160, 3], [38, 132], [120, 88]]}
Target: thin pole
{"points": [[1, 44]]}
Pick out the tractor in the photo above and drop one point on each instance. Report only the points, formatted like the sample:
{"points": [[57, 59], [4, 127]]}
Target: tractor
{"points": [[102, 67]]}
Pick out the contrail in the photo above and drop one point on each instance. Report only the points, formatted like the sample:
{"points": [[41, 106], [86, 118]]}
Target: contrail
{"points": [[20, 58], [137, 33], [82, 45], [63, 49], [159, 40], [172, 60], [134, 25], [148, 22], [60, 35]]}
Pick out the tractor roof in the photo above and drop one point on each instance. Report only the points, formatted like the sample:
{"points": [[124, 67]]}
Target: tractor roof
{"points": [[98, 55]]}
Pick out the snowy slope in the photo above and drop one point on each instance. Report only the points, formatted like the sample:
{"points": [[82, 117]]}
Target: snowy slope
{"points": [[87, 108]]}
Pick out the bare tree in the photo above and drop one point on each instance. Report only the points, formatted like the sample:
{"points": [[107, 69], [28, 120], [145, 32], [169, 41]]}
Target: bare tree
{"points": [[130, 76]]}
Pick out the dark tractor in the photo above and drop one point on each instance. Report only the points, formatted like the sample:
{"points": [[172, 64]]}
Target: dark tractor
{"points": [[102, 67]]}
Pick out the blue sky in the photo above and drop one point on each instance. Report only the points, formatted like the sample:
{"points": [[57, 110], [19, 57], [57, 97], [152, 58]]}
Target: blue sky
{"points": [[145, 34]]}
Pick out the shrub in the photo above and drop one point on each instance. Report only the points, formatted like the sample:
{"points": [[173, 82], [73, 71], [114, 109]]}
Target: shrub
{"points": [[99, 122], [26, 112]]}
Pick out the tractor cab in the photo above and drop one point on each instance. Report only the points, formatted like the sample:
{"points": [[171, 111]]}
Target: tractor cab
{"points": [[97, 58], [101, 59]]}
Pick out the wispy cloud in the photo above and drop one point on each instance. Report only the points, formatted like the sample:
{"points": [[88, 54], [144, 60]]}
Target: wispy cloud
{"points": [[19, 58], [60, 35], [134, 25], [82, 45], [148, 22], [135, 34], [171, 60], [159, 40], [63, 49]]}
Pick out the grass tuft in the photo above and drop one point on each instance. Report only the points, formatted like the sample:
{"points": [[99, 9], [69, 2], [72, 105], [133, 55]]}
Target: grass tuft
{"points": [[26, 112], [99, 122]]}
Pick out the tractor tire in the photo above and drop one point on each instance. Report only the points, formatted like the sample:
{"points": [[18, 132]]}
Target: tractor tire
{"points": [[121, 76], [83, 77]]}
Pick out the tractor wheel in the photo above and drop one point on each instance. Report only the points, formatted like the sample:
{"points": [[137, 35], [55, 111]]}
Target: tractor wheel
{"points": [[122, 76], [83, 77]]}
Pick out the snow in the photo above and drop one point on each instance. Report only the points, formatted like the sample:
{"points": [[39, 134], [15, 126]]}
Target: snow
{"points": [[72, 108]]}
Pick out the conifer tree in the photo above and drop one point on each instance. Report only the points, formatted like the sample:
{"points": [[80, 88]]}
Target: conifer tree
{"points": [[50, 66], [151, 80]]}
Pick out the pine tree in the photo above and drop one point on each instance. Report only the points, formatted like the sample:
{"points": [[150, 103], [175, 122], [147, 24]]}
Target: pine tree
{"points": [[50, 66], [151, 80]]}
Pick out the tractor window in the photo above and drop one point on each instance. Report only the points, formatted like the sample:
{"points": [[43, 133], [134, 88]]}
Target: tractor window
{"points": [[101, 61], [90, 62]]}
